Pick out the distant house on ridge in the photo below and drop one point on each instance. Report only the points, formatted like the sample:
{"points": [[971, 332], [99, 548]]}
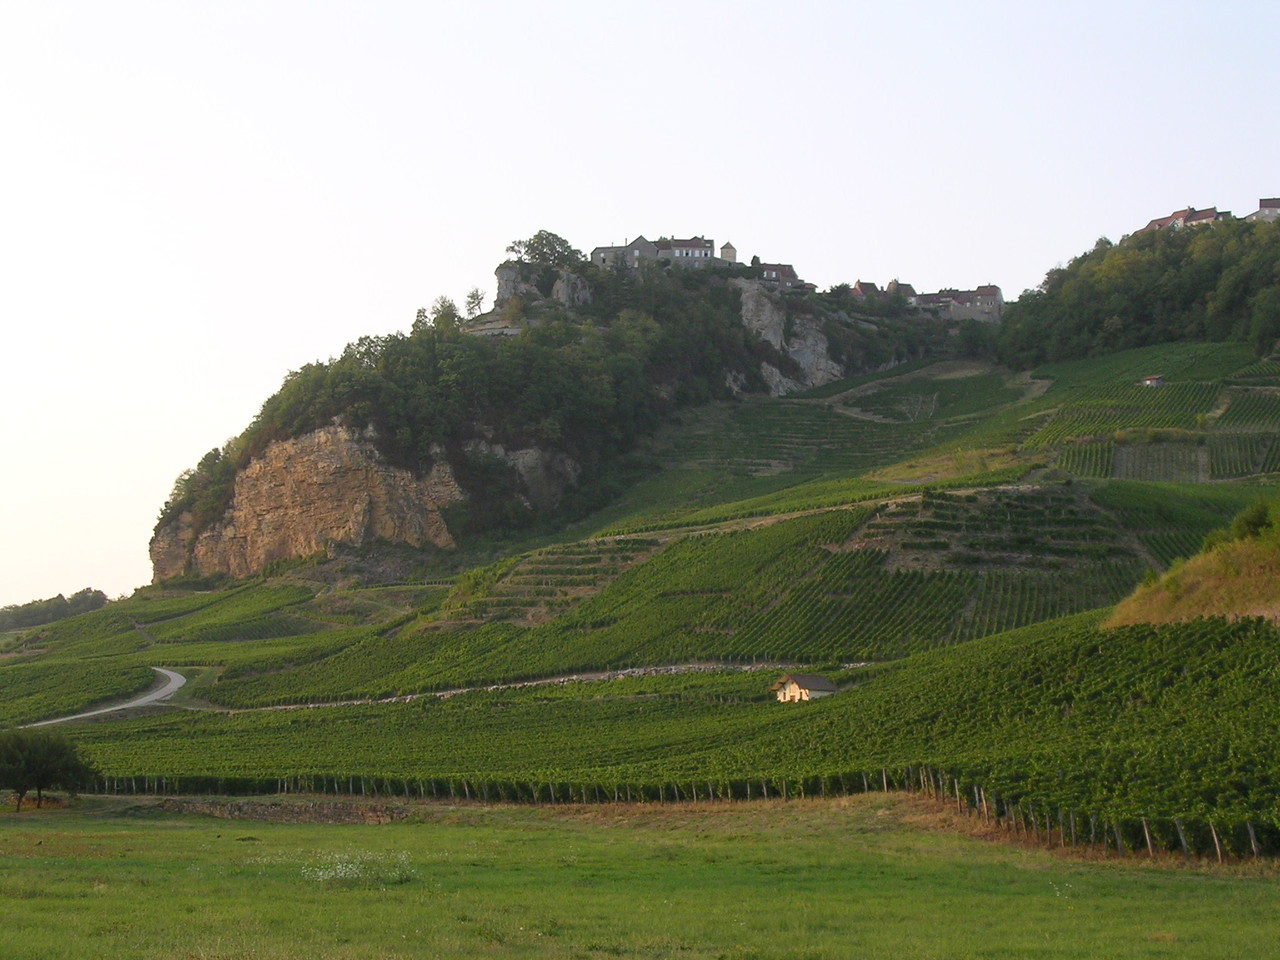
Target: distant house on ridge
{"points": [[1267, 210], [779, 274], [694, 252], [985, 303], [1188, 217]]}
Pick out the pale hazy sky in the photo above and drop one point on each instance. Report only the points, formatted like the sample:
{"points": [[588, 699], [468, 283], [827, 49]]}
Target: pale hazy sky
{"points": [[198, 197]]}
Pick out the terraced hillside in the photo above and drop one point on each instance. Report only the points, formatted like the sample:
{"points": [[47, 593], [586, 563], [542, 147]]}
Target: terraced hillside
{"points": [[877, 529]]}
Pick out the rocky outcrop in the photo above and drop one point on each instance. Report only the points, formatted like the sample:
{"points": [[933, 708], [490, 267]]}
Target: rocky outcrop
{"points": [[304, 495], [545, 474], [512, 283], [571, 290], [519, 280], [801, 339]]}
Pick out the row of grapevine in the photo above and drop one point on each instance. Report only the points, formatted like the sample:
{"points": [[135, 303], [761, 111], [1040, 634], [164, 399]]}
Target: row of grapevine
{"points": [[1095, 459], [1177, 462], [1237, 455], [1023, 817], [1104, 410], [1219, 456], [233, 610], [793, 435], [1260, 370], [1171, 520], [915, 399], [43, 689], [1247, 410]]}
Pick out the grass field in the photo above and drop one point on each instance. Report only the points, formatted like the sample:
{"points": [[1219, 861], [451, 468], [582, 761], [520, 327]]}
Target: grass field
{"points": [[870, 877]]}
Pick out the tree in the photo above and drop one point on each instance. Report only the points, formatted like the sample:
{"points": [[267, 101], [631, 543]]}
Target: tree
{"points": [[444, 313], [474, 302], [546, 248], [37, 759]]}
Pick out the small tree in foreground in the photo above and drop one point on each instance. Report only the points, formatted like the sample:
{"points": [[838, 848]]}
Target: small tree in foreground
{"points": [[37, 760]]}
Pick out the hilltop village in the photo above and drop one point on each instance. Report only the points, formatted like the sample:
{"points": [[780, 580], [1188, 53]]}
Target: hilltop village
{"points": [[985, 302], [1268, 210]]}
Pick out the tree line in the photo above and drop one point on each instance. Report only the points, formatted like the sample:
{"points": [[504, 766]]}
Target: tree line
{"points": [[39, 612], [1219, 282]]}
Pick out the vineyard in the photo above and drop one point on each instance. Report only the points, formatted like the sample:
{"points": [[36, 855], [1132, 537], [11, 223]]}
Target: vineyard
{"points": [[916, 399], [956, 533], [1105, 410], [1139, 716], [790, 435]]}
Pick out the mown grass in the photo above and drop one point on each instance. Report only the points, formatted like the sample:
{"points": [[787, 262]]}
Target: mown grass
{"points": [[862, 877]]}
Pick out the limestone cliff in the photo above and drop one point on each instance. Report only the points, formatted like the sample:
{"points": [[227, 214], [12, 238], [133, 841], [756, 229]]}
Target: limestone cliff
{"points": [[801, 339], [301, 496], [522, 279]]}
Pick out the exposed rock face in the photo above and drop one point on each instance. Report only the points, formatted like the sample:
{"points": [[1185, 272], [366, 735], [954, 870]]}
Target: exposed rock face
{"points": [[571, 290], [300, 496], [804, 342], [512, 284], [516, 280], [545, 474]]}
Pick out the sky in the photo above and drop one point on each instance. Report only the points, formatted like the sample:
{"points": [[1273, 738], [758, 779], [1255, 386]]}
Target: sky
{"points": [[200, 197]]}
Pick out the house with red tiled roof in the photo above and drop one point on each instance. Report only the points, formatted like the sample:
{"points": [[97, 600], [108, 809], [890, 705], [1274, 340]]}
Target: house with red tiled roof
{"points": [[1189, 217], [985, 303], [905, 290]]}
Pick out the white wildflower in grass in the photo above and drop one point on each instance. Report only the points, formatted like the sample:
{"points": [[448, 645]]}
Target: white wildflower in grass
{"points": [[360, 869]]}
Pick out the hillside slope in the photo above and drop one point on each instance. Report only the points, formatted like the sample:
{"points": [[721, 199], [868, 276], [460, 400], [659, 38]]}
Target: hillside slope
{"points": [[1236, 575], [459, 429], [904, 520]]}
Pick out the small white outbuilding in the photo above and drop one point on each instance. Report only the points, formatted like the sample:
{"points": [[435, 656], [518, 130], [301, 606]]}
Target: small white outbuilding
{"points": [[794, 687]]}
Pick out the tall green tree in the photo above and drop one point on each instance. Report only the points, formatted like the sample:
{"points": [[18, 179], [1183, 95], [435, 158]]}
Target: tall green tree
{"points": [[474, 302], [547, 248], [39, 759]]}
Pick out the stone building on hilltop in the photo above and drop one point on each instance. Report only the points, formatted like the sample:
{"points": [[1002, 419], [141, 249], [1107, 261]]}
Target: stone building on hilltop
{"points": [[1268, 210], [1188, 217], [986, 303], [696, 252]]}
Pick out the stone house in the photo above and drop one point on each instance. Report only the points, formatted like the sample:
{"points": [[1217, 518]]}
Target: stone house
{"points": [[798, 687], [1268, 210], [781, 275], [905, 290], [985, 303], [694, 252]]}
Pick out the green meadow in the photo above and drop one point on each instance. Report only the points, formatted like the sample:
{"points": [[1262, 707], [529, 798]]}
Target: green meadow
{"points": [[871, 876]]}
